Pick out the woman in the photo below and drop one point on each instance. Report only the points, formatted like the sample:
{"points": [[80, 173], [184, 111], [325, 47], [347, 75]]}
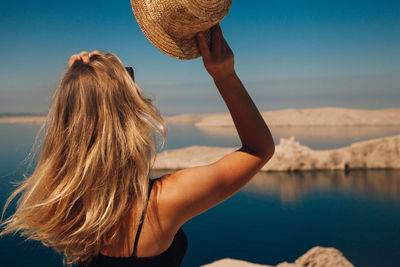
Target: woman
{"points": [[90, 195]]}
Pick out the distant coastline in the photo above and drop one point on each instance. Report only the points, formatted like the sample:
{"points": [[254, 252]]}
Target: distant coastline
{"points": [[32, 119], [327, 116]]}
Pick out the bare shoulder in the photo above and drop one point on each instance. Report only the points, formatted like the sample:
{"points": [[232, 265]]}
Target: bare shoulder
{"points": [[162, 203], [184, 194]]}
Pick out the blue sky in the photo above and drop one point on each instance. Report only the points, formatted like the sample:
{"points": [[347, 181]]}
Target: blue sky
{"points": [[290, 54]]}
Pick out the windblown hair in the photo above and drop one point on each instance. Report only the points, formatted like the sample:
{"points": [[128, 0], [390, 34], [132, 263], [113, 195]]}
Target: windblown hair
{"points": [[100, 141]]}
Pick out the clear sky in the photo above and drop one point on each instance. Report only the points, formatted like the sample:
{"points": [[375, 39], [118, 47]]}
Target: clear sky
{"points": [[290, 54]]}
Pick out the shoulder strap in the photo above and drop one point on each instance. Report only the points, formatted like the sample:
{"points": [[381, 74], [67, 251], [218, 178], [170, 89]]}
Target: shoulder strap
{"points": [[142, 218]]}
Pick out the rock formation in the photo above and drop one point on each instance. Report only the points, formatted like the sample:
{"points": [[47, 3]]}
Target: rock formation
{"points": [[290, 155], [315, 257], [320, 257]]}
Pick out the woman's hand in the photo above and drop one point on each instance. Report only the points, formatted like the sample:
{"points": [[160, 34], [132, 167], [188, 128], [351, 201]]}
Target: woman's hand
{"points": [[218, 59], [83, 56]]}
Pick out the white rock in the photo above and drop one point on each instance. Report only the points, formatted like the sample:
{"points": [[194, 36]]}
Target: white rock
{"points": [[320, 257], [315, 257], [290, 155], [233, 263]]}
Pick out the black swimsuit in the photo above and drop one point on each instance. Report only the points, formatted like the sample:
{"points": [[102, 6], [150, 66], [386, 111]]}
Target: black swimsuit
{"points": [[172, 257]]}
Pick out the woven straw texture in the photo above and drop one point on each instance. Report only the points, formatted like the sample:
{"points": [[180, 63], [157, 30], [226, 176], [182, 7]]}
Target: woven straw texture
{"points": [[171, 25]]}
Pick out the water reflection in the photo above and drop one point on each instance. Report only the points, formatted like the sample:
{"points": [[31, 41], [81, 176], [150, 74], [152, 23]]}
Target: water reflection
{"points": [[379, 184]]}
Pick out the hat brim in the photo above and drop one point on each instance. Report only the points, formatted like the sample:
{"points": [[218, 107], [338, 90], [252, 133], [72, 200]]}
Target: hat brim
{"points": [[179, 48]]}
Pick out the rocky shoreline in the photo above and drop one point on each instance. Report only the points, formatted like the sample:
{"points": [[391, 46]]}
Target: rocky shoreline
{"points": [[290, 155]]}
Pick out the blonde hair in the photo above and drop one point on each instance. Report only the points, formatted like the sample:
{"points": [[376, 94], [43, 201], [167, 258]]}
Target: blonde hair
{"points": [[100, 142]]}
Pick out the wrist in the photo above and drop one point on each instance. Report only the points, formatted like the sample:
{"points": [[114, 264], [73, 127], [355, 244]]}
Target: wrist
{"points": [[226, 78]]}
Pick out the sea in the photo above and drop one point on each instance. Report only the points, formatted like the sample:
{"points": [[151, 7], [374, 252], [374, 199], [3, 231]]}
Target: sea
{"points": [[277, 217]]}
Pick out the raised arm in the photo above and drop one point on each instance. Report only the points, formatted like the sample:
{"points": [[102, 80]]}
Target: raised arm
{"points": [[219, 62], [191, 191]]}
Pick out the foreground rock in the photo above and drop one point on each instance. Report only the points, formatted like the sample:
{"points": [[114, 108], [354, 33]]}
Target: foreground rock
{"points": [[233, 263], [315, 257], [320, 257], [300, 117], [290, 155]]}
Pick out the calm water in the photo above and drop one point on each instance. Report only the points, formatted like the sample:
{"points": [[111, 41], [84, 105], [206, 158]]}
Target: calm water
{"points": [[277, 217]]}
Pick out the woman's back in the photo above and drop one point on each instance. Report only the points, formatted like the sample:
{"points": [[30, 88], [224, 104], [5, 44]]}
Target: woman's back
{"points": [[145, 245]]}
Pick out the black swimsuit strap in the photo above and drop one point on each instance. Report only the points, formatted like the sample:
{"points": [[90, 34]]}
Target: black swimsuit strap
{"points": [[142, 218]]}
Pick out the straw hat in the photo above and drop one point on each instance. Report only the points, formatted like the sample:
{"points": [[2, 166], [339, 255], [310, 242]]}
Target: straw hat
{"points": [[171, 25]]}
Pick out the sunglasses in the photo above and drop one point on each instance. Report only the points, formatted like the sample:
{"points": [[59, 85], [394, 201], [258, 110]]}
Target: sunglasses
{"points": [[130, 71]]}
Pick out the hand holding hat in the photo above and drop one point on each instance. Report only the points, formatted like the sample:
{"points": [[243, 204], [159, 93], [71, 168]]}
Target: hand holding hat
{"points": [[218, 58], [172, 25]]}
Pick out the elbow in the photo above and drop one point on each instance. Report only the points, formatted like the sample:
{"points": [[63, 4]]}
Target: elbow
{"points": [[265, 152], [269, 152], [272, 152]]}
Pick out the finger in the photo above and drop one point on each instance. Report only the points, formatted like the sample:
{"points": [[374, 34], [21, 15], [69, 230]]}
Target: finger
{"points": [[218, 27], [224, 49], [95, 52], [72, 60], [203, 47], [226, 46], [215, 41], [84, 56], [221, 39]]}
